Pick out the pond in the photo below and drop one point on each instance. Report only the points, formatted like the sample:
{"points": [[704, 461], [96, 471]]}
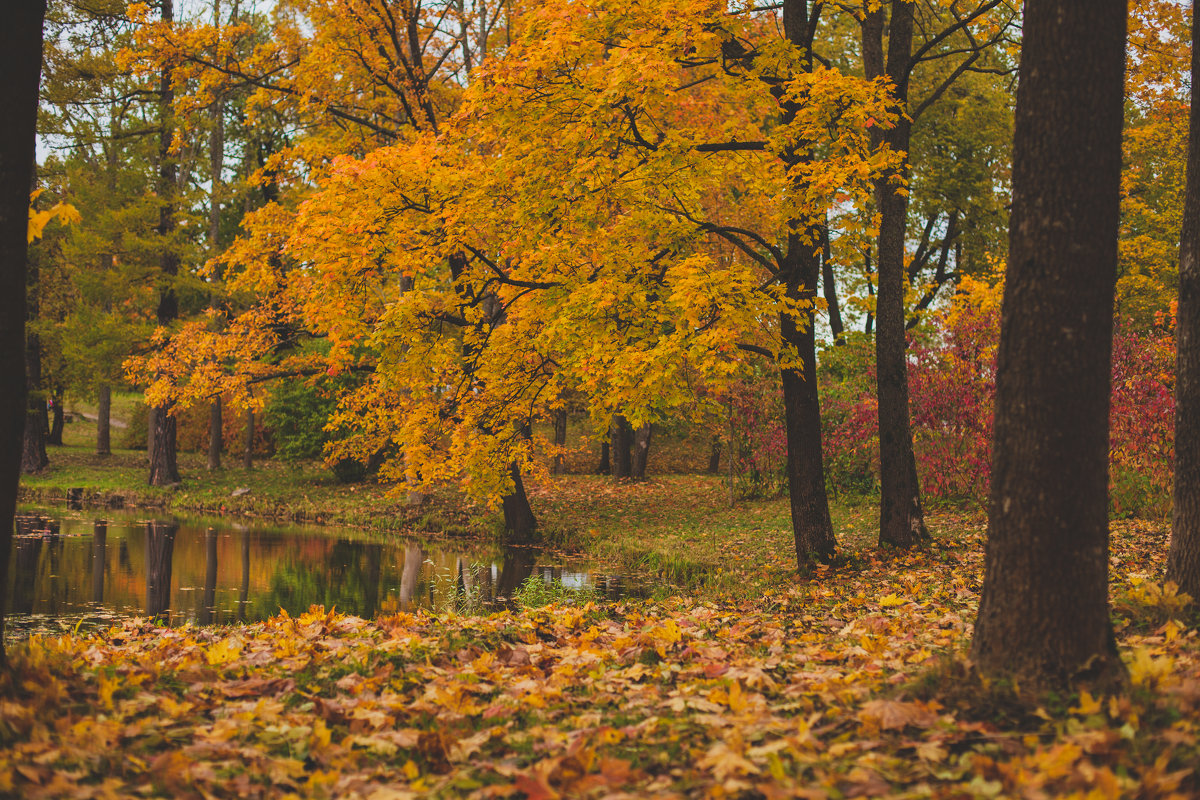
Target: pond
{"points": [[70, 569]]}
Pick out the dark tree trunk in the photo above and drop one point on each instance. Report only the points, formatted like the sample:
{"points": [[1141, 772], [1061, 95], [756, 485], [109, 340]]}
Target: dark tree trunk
{"points": [[641, 451], [811, 523], [1183, 561], [160, 548], [829, 289], [518, 516], [605, 466], [58, 418], [1043, 615], [216, 436], [164, 468], [33, 452], [248, 448], [104, 421], [620, 437], [244, 587], [901, 521], [714, 456], [560, 440]]}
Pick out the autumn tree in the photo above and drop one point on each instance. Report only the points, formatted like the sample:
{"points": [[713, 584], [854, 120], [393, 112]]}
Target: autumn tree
{"points": [[21, 56], [1183, 561], [1043, 616]]}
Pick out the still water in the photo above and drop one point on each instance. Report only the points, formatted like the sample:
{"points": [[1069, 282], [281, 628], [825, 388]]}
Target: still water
{"points": [[71, 569]]}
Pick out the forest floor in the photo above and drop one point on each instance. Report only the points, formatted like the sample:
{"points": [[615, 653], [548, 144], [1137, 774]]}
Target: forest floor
{"points": [[851, 683]]}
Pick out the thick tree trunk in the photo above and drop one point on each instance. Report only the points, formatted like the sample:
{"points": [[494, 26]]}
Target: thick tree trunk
{"points": [[1043, 615], [560, 440], [620, 436], [1183, 561], [641, 451], [216, 435], [21, 64], [605, 465], [164, 469], [104, 420], [58, 418], [901, 520], [519, 521]]}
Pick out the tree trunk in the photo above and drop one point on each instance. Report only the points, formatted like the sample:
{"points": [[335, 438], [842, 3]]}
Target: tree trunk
{"points": [[519, 521], [1043, 615], [216, 434], [560, 440], [714, 456], [605, 466], [21, 64], [620, 437], [1183, 561], [58, 418], [829, 289], [248, 447], [33, 453], [901, 521], [104, 420], [641, 451], [208, 601], [164, 467]]}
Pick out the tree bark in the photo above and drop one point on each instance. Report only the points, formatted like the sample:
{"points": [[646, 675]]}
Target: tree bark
{"points": [[104, 420], [1043, 615], [216, 167], [605, 465], [33, 453], [164, 468], [58, 418], [216, 434], [714, 456], [248, 446], [21, 64], [901, 519], [560, 439], [620, 436], [518, 516], [1183, 560], [829, 289], [641, 451]]}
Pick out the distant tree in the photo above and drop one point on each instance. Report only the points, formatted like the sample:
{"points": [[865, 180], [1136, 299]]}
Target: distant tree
{"points": [[1043, 615], [21, 65]]}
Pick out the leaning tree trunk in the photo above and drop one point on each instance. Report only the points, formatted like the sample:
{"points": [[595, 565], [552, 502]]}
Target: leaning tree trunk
{"points": [[21, 64], [1043, 615], [104, 421], [519, 520], [1183, 561], [164, 469], [641, 451]]}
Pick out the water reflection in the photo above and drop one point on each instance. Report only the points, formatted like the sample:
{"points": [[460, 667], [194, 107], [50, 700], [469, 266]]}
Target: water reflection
{"points": [[75, 570]]}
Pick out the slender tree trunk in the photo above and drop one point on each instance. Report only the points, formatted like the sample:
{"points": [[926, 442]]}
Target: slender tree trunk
{"points": [[560, 440], [104, 420], [901, 519], [1043, 615], [248, 448], [641, 451], [164, 468], [829, 289], [620, 436], [58, 418], [714, 456], [216, 434], [1183, 561]]}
